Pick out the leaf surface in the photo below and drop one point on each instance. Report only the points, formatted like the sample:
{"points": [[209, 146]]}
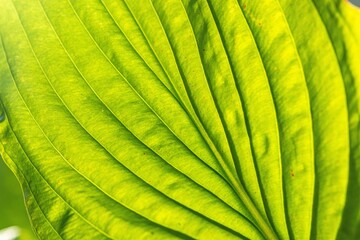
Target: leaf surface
{"points": [[185, 119]]}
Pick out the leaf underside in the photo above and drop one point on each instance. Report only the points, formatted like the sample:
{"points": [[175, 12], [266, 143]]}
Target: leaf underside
{"points": [[183, 119]]}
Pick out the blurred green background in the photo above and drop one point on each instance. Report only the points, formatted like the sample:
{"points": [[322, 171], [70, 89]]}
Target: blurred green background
{"points": [[12, 207]]}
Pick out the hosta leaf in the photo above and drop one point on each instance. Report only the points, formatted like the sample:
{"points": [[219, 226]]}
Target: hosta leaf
{"points": [[183, 119]]}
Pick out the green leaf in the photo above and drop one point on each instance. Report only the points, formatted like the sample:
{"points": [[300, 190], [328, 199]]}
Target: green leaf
{"points": [[183, 119]]}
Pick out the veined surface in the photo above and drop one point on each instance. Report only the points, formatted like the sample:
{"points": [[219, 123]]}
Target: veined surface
{"points": [[183, 119]]}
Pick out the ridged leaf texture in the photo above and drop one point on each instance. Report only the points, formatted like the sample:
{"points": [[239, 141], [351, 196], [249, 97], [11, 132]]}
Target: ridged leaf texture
{"points": [[183, 119]]}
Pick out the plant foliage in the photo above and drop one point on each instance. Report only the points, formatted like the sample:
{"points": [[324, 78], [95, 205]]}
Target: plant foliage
{"points": [[190, 119]]}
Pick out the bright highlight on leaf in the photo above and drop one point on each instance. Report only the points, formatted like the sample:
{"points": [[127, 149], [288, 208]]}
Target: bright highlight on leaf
{"points": [[183, 119]]}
